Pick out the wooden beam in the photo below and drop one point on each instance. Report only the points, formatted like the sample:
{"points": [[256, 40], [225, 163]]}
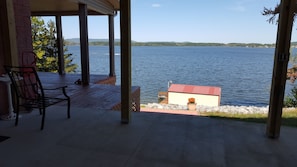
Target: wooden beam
{"points": [[8, 33], [60, 46], [63, 13], [125, 26], [111, 45], [84, 44], [100, 6], [281, 58]]}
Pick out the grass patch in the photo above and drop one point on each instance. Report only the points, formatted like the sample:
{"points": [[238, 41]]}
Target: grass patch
{"points": [[142, 105], [289, 117]]}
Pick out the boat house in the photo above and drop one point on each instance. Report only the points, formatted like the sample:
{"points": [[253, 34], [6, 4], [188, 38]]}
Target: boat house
{"points": [[204, 95]]}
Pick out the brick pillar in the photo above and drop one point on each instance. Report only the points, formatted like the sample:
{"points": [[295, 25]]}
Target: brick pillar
{"points": [[15, 37], [23, 26]]}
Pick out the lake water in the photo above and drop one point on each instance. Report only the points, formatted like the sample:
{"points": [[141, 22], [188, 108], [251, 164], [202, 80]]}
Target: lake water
{"points": [[244, 74]]}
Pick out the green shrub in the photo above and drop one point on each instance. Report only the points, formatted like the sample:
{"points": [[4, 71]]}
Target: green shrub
{"points": [[291, 100]]}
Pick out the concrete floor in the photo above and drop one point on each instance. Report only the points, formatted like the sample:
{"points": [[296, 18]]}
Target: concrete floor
{"points": [[97, 138]]}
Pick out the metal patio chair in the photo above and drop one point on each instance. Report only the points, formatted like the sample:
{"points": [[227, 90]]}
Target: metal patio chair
{"points": [[31, 94]]}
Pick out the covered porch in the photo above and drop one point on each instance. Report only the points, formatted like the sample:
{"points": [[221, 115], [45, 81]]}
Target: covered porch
{"points": [[93, 138], [15, 39], [184, 132]]}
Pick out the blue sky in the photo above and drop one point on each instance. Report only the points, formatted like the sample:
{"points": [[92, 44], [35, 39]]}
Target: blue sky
{"points": [[188, 20]]}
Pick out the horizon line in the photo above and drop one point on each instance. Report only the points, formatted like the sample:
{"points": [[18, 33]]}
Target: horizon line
{"points": [[180, 41]]}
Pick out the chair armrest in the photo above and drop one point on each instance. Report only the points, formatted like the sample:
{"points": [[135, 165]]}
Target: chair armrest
{"points": [[53, 92], [61, 87]]}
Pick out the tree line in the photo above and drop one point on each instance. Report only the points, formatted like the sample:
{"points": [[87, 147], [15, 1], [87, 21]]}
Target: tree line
{"points": [[70, 42]]}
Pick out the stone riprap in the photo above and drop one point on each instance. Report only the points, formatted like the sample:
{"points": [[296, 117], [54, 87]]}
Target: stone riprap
{"points": [[225, 108]]}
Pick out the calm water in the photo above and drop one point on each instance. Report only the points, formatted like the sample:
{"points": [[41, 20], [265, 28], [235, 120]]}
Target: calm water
{"points": [[244, 74]]}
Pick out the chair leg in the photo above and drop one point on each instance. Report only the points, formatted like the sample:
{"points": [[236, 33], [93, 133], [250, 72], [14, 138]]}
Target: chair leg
{"points": [[40, 111], [43, 118], [17, 115], [68, 108]]}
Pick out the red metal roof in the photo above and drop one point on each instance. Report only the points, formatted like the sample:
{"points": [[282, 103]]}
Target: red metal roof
{"points": [[205, 90]]}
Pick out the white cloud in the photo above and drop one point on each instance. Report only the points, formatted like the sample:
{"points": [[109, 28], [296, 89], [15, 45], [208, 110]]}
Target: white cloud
{"points": [[242, 5], [239, 8], [156, 5]]}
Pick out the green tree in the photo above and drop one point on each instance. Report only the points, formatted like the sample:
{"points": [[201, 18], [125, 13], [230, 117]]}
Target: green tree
{"points": [[45, 47], [291, 99]]}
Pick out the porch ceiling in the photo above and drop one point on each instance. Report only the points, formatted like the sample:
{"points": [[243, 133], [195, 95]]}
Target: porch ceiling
{"points": [[70, 7]]}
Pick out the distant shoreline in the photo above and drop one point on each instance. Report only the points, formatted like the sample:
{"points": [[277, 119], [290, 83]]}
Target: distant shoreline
{"points": [[251, 45], [105, 42]]}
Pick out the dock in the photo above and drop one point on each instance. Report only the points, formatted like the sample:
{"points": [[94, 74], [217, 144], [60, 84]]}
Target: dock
{"points": [[163, 97]]}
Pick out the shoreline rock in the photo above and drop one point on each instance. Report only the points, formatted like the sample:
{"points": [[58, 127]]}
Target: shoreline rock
{"points": [[225, 108]]}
